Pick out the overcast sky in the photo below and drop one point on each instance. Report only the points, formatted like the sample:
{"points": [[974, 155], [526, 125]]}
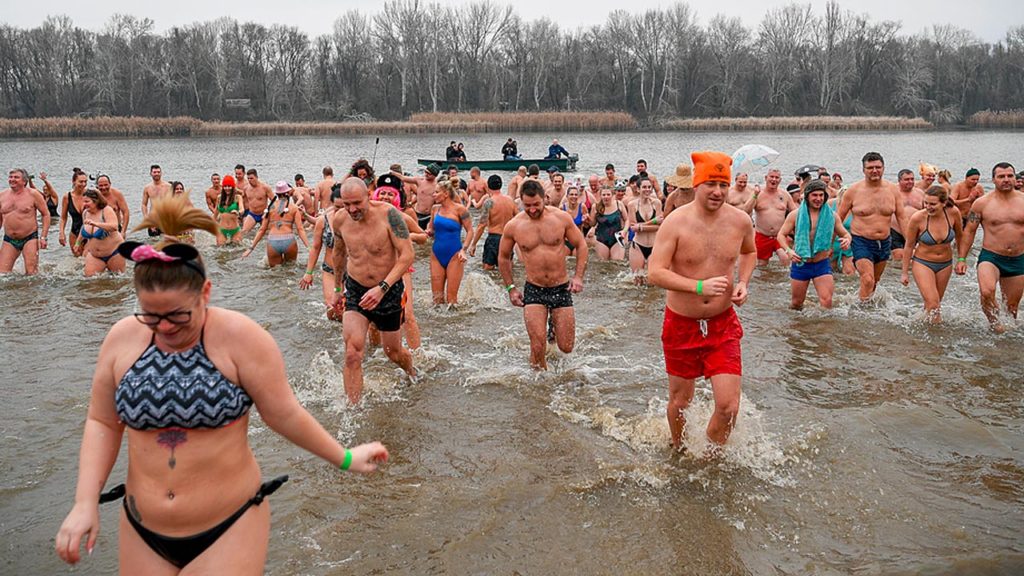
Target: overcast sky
{"points": [[988, 19]]}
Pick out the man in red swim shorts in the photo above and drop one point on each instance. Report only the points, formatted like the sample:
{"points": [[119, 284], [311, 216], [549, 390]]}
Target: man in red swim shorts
{"points": [[695, 253]]}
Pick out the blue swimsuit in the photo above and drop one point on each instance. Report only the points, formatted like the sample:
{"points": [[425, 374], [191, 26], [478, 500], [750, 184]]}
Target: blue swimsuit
{"points": [[447, 239]]}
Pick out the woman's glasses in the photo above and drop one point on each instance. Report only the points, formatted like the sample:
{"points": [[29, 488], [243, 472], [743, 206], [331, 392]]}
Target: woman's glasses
{"points": [[176, 318]]}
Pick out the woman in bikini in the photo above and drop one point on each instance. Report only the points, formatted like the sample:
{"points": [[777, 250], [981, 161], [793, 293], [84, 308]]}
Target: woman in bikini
{"points": [[323, 241], [72, 206], [229, 217], [389, 191], [284, 219], [644, 220], [610, 221], [178, 189], [933, 230], [99, 236], [579, 211], [181, 375], [448, 253]]}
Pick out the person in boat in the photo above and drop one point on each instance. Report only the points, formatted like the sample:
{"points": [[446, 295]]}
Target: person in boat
{"points": [[510, 151], [450, 152], [556, 151]]}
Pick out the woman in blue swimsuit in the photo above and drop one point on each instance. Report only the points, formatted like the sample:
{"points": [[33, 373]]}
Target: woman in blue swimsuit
{"points": [[99, 237], [930, 234], [447, 254], [181, 376], [283, 219]]}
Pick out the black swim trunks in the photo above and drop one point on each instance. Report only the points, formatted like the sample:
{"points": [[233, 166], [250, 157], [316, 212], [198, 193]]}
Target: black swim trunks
{"points": [[491, 249], [387, 316], [423, 219], [898, 241], [550, 296]]}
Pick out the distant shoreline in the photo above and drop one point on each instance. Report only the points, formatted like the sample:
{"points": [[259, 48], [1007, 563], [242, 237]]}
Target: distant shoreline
{"points": [[474, 123]]}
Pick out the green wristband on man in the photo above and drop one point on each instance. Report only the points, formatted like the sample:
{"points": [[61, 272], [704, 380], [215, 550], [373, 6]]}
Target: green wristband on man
{"points": [[347, 462], [700, 287]]}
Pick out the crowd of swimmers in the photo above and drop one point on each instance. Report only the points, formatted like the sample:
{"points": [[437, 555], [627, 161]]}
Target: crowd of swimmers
{"points": [[698, 235]]}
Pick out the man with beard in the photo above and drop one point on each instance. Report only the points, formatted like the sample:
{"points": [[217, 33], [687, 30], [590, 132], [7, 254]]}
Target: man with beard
{"points": [[812, 227], [371, 245], [155, 189], [1001, 260], [694, 259], [541, 233]]}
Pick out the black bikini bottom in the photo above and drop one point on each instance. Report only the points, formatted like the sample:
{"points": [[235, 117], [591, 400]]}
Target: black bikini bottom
{"points": [[180, 550]]}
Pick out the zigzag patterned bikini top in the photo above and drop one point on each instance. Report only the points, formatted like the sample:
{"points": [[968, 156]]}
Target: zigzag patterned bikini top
{"points": [[178, 390]]}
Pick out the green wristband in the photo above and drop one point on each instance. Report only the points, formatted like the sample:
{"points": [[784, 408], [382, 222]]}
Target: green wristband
{"points": [[309, 272], [961, 259], [700, 287], [347, 461], [337, 288], [509, 287]]}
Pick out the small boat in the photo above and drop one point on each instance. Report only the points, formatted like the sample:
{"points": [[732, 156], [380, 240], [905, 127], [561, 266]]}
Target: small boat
{"points": [[562, 164]]}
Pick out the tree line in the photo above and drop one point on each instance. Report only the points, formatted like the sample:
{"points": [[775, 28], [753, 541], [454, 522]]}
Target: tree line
{"points": [[418, 57]]}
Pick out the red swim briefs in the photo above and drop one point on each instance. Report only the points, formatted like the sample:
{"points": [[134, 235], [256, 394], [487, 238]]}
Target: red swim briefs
{"points": [[766, 246], [695, 347]]}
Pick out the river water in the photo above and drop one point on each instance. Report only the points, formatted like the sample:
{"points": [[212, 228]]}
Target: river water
{"points": [[867, 443]]}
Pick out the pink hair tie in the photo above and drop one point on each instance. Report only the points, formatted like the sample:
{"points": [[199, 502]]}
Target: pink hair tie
{"points": [[147, 252]]}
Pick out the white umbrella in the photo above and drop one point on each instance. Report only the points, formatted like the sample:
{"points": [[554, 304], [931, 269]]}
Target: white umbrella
{"points": [[753, 155]]}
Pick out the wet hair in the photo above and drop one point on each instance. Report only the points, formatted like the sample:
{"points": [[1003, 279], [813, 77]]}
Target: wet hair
{"points": [[336, 191], [1003, 165], [941, 193], [175, 184], [363, 164], [240, 167], [300, 177], [902, 173], [872, 157], [609, 166], [251, 172], [642, 161], [97, 198], [174, 216], [531, 188], [533, 170], [328, 171], [155, 167], [75, 172], [944, 175]]}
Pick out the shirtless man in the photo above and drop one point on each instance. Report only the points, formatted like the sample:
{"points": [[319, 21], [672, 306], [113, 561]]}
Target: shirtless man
{"points": [[811, 250], [371, 244], [115, 199], [873, 202], [695, 255], [610, 179], [155, 189], [680, 188], [740, 193], [498, 209], [303, 195], [426, 185], [643, 172], [22, 236], [913, 198], [240, 181], [1001, 261], [213, 193], [257, 196], [592, 192], [476, 188], [965, 193], [556, 192], [515, 182], [541, 232], [770, 208], [323, 189]]}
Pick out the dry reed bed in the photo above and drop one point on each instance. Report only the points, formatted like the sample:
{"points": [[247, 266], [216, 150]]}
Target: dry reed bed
{"points": [[997, 119], [536, 121], [334, 128], [69, 127], [796, 123]]}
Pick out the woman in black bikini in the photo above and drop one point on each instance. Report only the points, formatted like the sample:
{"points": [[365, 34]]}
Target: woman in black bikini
{"points": [[99, 238], [609, 217], [72, 206], [644, 220], [932, 248], [181, 375]]}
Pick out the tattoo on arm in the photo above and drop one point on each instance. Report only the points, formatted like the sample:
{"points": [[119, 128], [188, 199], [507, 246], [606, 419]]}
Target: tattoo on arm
{"points": [[974, 217], [398, 224], [486, 213], [464, 216]]}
